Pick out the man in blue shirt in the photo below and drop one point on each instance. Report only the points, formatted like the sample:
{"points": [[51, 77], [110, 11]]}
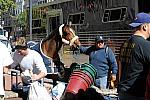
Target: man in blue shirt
{"points": [[102, 59]]}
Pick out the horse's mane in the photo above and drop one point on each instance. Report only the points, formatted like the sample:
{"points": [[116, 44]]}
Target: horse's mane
{"points": [[54, 33], [56, 36]]}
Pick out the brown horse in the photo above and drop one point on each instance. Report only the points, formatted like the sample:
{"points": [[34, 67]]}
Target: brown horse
{"points": [[50, 46]]}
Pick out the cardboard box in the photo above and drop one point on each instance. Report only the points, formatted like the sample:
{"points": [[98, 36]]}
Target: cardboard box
{"points": [[11, 80]]}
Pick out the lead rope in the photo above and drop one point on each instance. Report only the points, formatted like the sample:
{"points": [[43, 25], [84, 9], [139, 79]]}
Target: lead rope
{"points": [[76, 54], [52, 67]]}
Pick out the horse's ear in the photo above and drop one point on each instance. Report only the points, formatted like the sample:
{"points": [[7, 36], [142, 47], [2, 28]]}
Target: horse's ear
{"points": [[65, 24], [70, 23]]}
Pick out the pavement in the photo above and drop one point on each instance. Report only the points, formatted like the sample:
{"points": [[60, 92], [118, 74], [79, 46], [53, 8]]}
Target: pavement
{"points": [[14, 98], [69, 57], [10, 95]]}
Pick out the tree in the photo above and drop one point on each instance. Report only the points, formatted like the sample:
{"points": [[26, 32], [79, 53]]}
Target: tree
{"points": [[6, 5], [22, 21]]}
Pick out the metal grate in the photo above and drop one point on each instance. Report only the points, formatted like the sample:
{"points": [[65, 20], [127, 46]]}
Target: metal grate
{"points": [[113, 39]]}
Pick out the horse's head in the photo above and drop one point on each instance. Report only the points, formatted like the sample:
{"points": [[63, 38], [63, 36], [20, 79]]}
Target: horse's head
{"points": [[68, 35]]}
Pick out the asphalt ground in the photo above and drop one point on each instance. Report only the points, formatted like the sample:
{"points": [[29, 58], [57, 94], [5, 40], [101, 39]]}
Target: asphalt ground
{"points": [[70, 57]]}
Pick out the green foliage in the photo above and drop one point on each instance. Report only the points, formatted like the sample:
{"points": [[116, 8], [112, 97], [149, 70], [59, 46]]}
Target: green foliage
{"points": [[6, 5], [22, 19]]}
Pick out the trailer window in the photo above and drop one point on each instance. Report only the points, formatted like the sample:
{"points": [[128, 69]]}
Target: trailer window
{"points": [[114, 14], [77, 18]]}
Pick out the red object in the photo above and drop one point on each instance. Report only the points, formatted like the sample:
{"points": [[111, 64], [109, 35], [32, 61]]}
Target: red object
{"points": [[85, 76], [86, 68], [78, 80]]}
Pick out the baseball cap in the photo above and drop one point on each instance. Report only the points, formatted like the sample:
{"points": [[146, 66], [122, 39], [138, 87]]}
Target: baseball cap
{"points": [[140, 19], [99, 38]]}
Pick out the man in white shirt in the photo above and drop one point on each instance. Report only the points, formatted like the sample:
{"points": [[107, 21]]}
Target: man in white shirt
{"points": [[31, 64], [29, 60], [5, 61]]}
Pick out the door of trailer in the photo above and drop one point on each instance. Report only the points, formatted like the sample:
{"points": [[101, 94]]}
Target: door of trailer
{"points": [[54, 19]]}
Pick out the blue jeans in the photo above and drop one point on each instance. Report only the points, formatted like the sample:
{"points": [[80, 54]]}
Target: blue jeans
{"points": [[101, 82]]}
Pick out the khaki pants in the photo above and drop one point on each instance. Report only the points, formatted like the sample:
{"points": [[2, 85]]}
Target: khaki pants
{"points": [[1, 97]]}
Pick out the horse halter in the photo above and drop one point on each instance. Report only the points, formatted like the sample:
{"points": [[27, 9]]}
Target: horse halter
{"points": [[66, 41]]}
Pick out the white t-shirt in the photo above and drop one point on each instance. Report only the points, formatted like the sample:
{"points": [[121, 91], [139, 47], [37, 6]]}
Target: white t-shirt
{"points": [[5, 60], [32, 61]]}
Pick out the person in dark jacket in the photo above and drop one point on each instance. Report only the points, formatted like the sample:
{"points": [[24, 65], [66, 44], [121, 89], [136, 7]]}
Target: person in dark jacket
{"points": [[89, 94], [135, 60], [147, 93], [102, 59]]}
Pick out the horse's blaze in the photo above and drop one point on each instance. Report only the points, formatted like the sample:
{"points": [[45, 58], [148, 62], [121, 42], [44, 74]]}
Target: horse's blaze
{"points": [[69, 42]]}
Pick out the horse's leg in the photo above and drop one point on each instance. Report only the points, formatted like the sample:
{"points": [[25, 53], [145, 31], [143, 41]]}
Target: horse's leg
{"points": [[60, 67]]}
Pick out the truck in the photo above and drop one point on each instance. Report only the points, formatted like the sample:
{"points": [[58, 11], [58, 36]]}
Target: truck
{"points": [[4, 38]]}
